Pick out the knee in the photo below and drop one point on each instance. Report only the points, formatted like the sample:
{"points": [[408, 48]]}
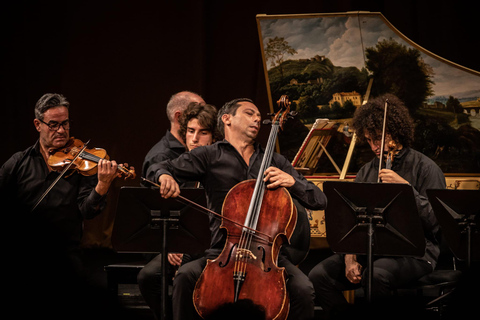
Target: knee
{"points": [[147, 275], [301, 290], [319, 275], [381, 282]]}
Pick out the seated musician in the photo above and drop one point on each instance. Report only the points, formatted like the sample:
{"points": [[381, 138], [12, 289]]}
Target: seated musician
{"points": [[196, 127], [345, 272], [46, 237], [219, 168], [171, 144]]}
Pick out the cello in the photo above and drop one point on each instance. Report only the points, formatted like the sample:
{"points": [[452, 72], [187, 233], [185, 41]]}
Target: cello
{"points": [[247, 266]]}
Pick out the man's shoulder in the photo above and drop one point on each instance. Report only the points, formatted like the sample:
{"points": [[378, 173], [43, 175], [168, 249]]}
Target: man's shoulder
{"points": [[158, 147], [18, 157], [420, 157], [166, 148]]}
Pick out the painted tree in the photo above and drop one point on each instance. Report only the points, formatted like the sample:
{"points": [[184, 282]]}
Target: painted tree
{"points": [[275, 51]]}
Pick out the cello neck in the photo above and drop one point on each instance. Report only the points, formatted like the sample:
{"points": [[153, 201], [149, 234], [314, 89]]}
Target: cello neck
{"points": [[252, 216]]}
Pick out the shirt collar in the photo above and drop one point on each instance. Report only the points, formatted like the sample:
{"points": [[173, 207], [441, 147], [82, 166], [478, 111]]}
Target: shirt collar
{"points": [[173, 142], [36, 148]]}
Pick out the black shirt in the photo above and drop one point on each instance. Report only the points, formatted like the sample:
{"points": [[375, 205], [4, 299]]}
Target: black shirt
{"points": [[58, 219], [422, 174], [219, 167], [167, 148]]}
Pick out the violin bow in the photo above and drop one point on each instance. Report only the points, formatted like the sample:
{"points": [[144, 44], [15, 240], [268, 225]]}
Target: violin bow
{"points": [[67, 167], [382, 146]]}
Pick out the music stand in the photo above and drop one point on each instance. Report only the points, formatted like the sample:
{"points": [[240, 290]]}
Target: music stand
{"points": [[372, 219], [458, 214], [145, 222]]}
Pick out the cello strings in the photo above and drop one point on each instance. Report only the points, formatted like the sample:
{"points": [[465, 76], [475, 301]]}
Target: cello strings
{"points": [[246, 235]]}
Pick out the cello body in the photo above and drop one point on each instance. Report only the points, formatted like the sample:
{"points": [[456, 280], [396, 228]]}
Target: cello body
{"points": [[263, 281]]}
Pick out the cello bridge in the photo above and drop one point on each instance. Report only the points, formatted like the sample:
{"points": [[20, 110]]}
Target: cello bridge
{"points": [[245, 254]]}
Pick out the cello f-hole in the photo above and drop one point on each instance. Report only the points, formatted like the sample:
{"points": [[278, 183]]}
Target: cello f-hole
{"points": [[262, 249], [223, 265]]}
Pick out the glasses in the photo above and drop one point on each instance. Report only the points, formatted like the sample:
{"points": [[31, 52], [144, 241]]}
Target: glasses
{"points": [[54, 126]]}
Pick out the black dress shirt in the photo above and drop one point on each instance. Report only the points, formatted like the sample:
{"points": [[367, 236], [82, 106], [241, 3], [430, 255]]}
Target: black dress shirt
{"points": [[219, 167], [167, 148], [58, 219], [423, 174]]}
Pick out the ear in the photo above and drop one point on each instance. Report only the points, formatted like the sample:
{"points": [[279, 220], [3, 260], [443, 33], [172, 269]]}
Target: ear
{"points": [[226, 118], [177, 115], [36, 123]]}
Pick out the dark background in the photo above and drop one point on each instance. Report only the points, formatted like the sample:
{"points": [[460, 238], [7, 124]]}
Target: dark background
{"points": [[118, 62]]}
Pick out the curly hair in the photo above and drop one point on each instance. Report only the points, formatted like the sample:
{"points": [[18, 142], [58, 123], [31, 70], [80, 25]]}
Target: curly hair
{"points": [[206, 114], [368, 119]]}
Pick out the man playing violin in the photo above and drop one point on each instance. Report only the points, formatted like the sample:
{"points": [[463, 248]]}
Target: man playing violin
{"points": [[196, 127], [49, 234], [345, 272], [219, 168]]}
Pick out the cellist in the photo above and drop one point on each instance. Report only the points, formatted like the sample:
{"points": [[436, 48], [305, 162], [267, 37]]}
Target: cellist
{"points": [[220, 167]]}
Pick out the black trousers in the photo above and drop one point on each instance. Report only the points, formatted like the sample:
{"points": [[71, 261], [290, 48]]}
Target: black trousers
{"points": [[149, 281], [299, 287], [328, 278]]}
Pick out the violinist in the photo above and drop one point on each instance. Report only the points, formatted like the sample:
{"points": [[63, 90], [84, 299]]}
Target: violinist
{"points": [[345, 272], [219, 168], [47, 239], [197, 127]]}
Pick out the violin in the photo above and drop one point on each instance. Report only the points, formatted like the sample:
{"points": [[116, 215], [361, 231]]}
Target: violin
{"points": [[393, 150], [247, 267], [76, 156]]}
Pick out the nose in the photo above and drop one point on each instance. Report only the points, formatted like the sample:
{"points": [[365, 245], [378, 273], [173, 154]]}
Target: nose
{"points": [[195, 136], [61, 129]]}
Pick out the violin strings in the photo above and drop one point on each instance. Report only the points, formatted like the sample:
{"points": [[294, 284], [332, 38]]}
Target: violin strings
{"points": [[91, 157]]}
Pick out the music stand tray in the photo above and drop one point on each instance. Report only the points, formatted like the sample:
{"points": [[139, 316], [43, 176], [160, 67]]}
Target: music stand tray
{"points": [[138, 222], [373, 219], [458, 214]]}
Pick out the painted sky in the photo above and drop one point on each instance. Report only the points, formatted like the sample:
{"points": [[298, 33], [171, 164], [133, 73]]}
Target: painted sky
{"points": [[339, 38]]}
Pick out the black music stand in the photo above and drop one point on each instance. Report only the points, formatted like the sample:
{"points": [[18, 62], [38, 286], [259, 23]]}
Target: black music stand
{"points": [[373, 219], [458, 213], [145, 222]]}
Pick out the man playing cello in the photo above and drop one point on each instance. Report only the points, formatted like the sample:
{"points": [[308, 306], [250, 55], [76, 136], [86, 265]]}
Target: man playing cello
{"points": [[220, 167]]}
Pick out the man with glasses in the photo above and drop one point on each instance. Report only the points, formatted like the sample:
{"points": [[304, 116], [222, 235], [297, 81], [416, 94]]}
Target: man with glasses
{"points": [[45, 236]]}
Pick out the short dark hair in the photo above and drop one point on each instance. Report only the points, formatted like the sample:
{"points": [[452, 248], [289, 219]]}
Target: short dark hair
{"points": [[47, 101], [229, 108], [206, 114], [369, 119]]}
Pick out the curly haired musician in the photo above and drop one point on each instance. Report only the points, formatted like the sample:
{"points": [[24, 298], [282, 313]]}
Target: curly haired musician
{"points": [[345, 272]]}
